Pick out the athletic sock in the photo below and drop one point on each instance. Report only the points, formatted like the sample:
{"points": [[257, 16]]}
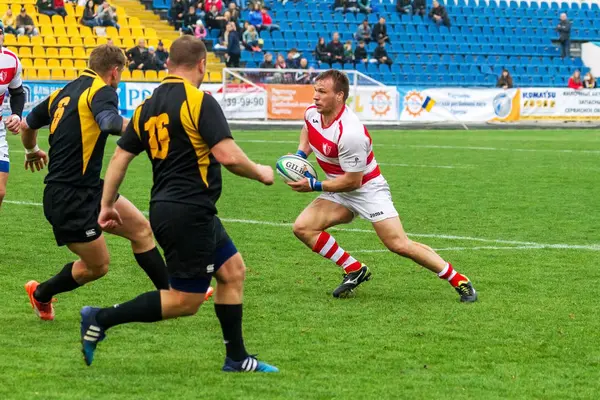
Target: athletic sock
{"points": [[230, 317], [59, 283], [452, 276], [328, 248], [144, 308], [153, 264]]}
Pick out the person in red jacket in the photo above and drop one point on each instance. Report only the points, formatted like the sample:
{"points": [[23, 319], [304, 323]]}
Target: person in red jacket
{"points": [[209, 3], [59, 7], [575, 81], [267, 21]]}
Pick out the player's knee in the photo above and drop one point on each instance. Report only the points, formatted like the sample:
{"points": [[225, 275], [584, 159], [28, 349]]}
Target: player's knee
{"points": [[301, 229], [189, 305], [402, 247], [143, 234], [233, 272], [2, 194]]}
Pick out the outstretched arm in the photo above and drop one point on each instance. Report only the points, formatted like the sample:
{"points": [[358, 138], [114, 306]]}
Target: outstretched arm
{"points": [[229, 154]]}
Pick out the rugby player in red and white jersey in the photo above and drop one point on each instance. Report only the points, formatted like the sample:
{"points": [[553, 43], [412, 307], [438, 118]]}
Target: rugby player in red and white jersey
{"points": [[10, 78], [354, 186]]}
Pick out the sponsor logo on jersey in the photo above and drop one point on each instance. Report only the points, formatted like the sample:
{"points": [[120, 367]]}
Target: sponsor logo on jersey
{"points": [[90, 232]]}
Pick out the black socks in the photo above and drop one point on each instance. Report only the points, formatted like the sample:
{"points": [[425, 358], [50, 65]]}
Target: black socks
{"points": [[59, 283], [230, 317], [144, 308], [153, 264]]}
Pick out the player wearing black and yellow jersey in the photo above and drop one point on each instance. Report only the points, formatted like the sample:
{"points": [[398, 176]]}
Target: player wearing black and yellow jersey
{"points": [[187, 138], [80, 117]]}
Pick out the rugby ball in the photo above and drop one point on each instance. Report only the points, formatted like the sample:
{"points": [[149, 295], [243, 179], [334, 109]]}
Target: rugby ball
{"points": [[291, 168]]}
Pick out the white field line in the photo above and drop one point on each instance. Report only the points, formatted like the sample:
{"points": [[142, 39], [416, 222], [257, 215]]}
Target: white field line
{"points": [[521, 244], [424, 146], [461, 249]]}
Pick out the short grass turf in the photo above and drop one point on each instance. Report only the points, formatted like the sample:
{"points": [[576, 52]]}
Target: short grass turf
{"points": [[534, 332]]}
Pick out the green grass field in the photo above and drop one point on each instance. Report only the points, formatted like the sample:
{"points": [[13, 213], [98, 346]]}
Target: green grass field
{"points": [[517, 211]]}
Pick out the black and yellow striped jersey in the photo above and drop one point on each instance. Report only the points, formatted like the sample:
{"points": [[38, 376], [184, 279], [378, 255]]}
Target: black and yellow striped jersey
{"points": [[177, 126], [76, 140]]}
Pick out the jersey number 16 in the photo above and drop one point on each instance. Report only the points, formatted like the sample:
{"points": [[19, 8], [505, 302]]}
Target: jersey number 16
{"points": [[158, 135]]}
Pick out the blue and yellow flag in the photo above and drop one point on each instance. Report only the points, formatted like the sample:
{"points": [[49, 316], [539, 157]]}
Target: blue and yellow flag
{"points": [[428, 103]]}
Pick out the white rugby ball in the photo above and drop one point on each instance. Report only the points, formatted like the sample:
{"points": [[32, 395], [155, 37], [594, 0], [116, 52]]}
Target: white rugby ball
{"points": [[291, 168]]}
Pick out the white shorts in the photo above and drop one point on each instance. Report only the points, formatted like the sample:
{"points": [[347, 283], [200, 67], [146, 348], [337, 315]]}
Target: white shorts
{"points": [[373, 201], [3, 149]]}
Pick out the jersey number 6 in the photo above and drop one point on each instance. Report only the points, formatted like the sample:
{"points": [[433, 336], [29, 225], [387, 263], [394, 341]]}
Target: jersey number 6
{"points": [[158, 135], [60, 110]]}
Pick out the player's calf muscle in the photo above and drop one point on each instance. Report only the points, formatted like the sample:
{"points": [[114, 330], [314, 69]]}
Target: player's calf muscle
{"points": [[180, 304]]}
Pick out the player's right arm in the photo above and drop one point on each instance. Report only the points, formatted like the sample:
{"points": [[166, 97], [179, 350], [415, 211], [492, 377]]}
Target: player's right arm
{"points": [[214, 129], [35, 159]]}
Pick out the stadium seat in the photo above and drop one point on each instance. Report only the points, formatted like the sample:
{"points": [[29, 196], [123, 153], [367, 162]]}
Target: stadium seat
{"points": [[57, 74], [137, 75], [43, 74], [52, 52], [66, 64], [70, 74], [53, 63], [151, 76], [80, 64]]}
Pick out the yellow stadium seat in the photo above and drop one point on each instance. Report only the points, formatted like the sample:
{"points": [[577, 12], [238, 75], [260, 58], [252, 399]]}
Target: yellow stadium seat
{"points": [[162, 74], [53, 63], [38, 51], [52, 53], [79, 52], [126, 76], [57, 74], [63, 41], [150, 33], [137, 75], [70, 19], [60, 31], [76, 41], [30, 8], [104, 40], [70, 74], [111, 31], [39, 63], [134, 22], [66, 64], [73, 31], [65, 53], [26, 63], [30, 74], [128, 43], [151, 76], [10, 40], [49, 41], [57, 20], [216, 77], [137, 33], [46, 30], [13, 49], [89, 41], [80, 64], [167, 43], [24, 52], [44, 20], [85, 31], [88, 53], [16, 9], [79, 11], [70, 9], [23, 40], [152, 42], [3, 8], [126, 32], [36, 40], [43, 74]]}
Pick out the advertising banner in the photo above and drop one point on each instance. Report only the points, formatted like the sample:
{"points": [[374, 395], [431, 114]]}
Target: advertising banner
{"points": [[372, 103], [288, 101], [560, 105], [461, 105]]}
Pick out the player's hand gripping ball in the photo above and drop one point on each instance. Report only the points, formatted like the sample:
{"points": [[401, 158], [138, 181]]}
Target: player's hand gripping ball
{"points": [[292, 168]]}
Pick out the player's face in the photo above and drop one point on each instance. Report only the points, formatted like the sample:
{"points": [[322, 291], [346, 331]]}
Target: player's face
{"points": [[325, 97], [116, 74]]}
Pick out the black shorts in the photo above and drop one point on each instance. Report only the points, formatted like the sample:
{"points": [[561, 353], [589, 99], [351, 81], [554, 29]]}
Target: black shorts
{"points": [[194, 241], [73, 212]]}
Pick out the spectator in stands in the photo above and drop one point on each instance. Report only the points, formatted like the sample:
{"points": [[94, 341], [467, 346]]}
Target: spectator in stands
{"points": [[380, 31], [176, 13], [365, 6], [589, 82], [233, 46], [360, 53], [255, 18], [214, 20], [188, 25], [267, 61], [302, 78], [59, 7], [293, 59], [419, 7], [107, 15], [45, 7], [267, 21], [234, 13], [151, 61], [363, 32], [336, 49], [505, 81], [8, 21], [89, 15], [250, 38], [208, 5], [351, 5], [321, 53], [162, 55], [136, 55], [404, 6], [564, 31], [348, 52], [380, 54], [280, 63], [439, 14], [200, 31], [223, 39], [25, 24], [575, 81], [200, 9], [339, 6]]}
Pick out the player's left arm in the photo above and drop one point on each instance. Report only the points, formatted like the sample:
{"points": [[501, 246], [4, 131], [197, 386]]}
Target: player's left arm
{"points": [[17, 101], [105, 108], [35, 159]]}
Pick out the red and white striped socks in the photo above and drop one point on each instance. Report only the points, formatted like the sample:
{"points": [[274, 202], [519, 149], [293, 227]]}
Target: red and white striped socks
{"points": [[452, 276], [328, 248]]}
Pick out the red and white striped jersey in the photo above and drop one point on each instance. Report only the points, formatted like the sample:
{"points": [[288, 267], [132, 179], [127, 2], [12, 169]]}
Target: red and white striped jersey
{"points": [[343, 146], [10, 72]]}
